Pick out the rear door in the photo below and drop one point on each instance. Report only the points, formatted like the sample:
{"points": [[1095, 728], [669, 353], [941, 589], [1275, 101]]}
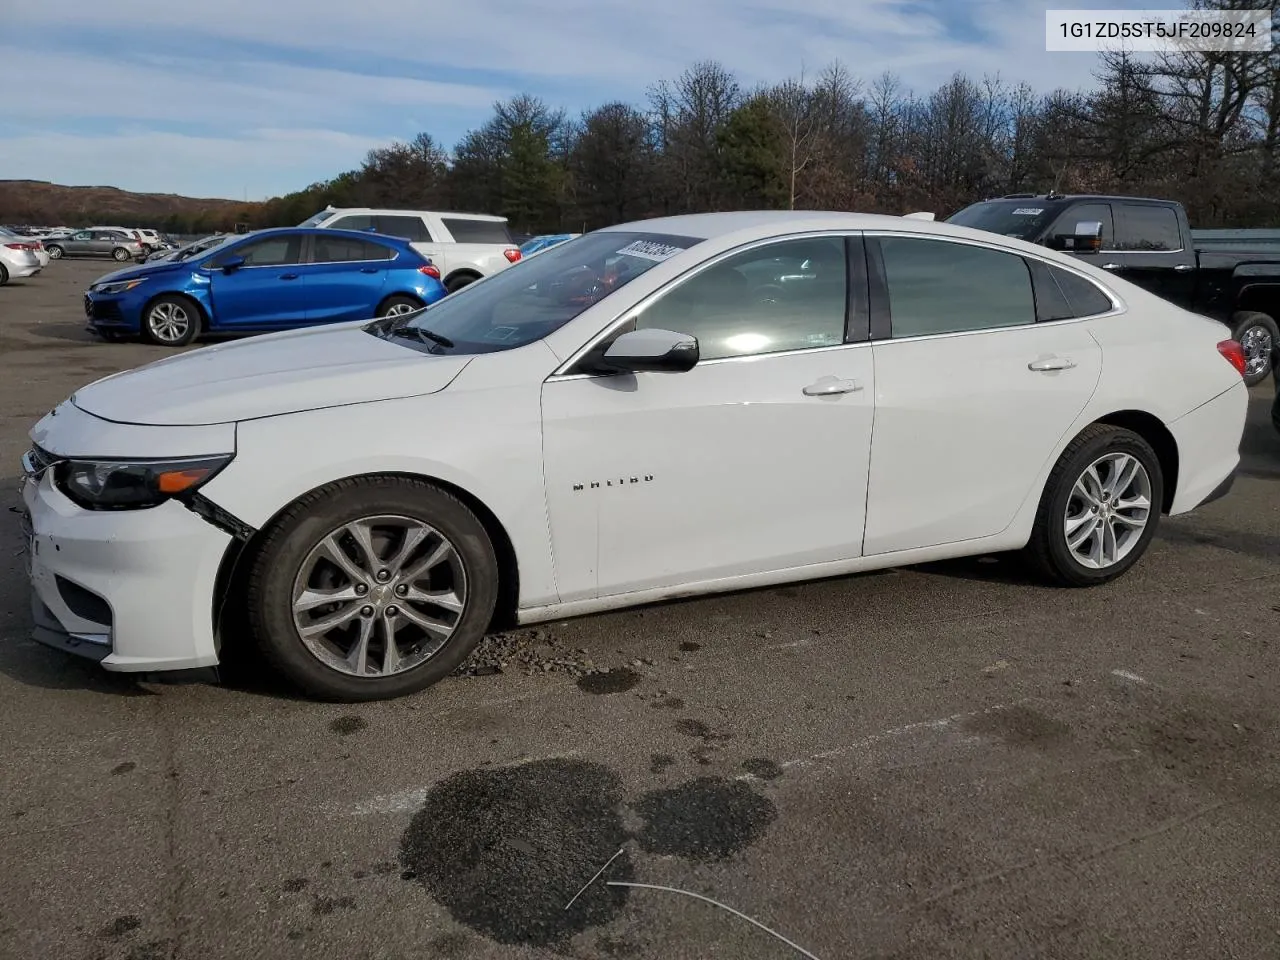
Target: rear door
{"points": [[267, 291], [1149, 251], [976, 384], [345, 278]]}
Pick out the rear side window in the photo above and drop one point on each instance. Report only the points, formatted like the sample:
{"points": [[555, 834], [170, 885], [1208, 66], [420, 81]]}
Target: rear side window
{"points": [[477, 231], [346, 250], [1084, 296], [938, 286], [1142, 226], [406, 228]]}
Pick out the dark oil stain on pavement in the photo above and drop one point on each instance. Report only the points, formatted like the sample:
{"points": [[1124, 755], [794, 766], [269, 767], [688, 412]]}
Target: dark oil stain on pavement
{"points": [[690, 646], [120, 926], [1020, 726], [696, 728], [660, 761], [323, 906], [462, 846], [345, 726], [707, 819], [127, 767], [612, 681], [505, 850], [294, 884]]}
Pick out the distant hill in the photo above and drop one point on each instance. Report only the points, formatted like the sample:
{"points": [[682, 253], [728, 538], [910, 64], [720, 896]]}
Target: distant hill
{"points": [[45, 204]]}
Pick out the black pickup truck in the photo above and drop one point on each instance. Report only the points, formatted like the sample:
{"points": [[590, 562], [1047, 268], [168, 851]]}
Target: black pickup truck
{"points": [[1150, 243]]}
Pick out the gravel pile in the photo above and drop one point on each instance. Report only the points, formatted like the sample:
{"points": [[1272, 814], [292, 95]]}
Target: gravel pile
{"points": [[529, 652]]}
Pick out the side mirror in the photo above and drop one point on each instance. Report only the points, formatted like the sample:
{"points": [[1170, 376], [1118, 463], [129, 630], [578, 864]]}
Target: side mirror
{"points": [[652, 351], [1087, 237], [232, 264]]}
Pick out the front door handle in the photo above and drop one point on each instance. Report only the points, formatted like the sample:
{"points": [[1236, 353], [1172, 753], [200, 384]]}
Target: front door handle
{"points": [[1050, 364], [830, 386], [1111, 266], [368, 269], [1183, 267], [288, 276]]}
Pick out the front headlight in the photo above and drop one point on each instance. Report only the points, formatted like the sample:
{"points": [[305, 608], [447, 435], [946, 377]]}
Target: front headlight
{"points": [[119, 286], [134, 484]]}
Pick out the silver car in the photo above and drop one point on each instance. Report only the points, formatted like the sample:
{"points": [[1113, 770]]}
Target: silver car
{"points": [[96, 243]]}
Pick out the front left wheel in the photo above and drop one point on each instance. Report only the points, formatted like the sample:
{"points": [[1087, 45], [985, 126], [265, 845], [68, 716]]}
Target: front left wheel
{"points": [[170, 321], [1099, 509], [372, 588], [398, 306]]}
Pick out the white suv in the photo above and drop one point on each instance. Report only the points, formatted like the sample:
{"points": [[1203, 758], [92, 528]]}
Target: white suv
{"points": [[463, 246]]}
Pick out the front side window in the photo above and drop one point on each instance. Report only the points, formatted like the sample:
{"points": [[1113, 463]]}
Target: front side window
{"points": [[790, 295], [268, 252], [939, 286], [533, 299], [356, 221], [1085, 213]]}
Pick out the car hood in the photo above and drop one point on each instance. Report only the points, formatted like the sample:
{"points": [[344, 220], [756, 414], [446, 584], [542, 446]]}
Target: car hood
{"points": [[267, 376], [152, 269]]}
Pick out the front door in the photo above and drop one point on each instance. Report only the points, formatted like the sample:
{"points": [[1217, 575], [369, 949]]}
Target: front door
{"points": [[267, 290], [972, 394], [755, 460]]}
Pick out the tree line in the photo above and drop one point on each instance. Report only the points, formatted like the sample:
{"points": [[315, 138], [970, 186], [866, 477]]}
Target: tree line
{"points": [[1202, 128]]}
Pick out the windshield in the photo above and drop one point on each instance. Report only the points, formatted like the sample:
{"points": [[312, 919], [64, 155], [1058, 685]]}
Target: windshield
{"points": [[1021, 218], [319, 218], [534, 298]]}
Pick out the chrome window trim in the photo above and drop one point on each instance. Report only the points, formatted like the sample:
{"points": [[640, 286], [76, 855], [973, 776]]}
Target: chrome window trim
{"points": [[625, 316]]}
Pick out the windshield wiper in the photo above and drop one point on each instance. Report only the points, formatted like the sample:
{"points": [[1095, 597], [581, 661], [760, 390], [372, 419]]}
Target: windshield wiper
{"points": [[422, 333]]}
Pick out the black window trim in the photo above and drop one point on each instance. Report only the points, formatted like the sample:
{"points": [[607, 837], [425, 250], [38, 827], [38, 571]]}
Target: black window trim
{"points": [[881, 316], [570, 369]]}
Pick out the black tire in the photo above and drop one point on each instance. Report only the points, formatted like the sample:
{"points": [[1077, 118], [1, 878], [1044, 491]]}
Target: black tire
{"points": [[397, 304], [153, 330], [1262, 330], [458, 281], [4, 275], [1047, 552], [1275, 410], [120, 254], [286, 544], [55, 251]]}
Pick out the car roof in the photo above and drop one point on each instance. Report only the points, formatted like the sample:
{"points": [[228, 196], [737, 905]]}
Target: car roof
{"points": [[325, 232], [766, 223], [1059, 197], [387, 211]]}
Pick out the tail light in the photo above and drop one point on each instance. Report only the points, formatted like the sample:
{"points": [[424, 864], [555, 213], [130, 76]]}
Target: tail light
{"points": [[512, 254], [1234, 354], [20, 246], [430, 270]]}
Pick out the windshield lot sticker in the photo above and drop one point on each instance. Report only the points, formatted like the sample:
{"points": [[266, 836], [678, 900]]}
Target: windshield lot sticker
{"points": [[649, 250], [1028, 211]]}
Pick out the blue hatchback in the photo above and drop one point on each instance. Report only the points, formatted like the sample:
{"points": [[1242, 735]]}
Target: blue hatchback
{"points": [[266, 280]]}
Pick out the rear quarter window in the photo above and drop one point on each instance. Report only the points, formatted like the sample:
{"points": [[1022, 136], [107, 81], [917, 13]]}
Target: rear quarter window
{"points": [[477, 231]]}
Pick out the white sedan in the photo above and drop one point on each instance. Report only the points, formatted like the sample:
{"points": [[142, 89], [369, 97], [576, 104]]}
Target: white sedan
{"points": [[660, 409]]}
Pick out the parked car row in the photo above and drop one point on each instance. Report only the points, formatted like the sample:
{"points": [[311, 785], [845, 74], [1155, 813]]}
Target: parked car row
{"points": [[20, 257]]}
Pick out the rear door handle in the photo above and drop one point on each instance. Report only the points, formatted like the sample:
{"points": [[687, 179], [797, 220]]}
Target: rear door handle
{"points": [[830, 386], [1050, 364], [1183, 267], [288, 276], [1111, 266]]}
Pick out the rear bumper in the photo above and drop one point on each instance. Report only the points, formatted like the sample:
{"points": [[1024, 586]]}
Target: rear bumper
{"points": [[1208, 440]]}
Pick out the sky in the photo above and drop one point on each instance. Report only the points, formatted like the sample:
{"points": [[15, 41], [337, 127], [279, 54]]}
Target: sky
{"points": [[248, 99]]}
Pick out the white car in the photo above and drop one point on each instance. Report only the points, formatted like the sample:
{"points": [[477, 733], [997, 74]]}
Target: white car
{"points": [[19, 257], [660, 409], [464, 247]]}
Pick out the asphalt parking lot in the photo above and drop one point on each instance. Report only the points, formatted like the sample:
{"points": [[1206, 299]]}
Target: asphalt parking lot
{"points": [[925, 763]]}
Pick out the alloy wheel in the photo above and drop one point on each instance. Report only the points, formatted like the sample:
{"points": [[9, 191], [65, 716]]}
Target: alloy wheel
{"points": [[1256, 343], [1108, 510], [400, 309], [169, 321], [379, 596]]}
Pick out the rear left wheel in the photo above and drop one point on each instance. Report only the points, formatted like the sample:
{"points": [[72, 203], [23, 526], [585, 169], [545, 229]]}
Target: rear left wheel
{"points": [[372, 588], [1099, 509]]}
